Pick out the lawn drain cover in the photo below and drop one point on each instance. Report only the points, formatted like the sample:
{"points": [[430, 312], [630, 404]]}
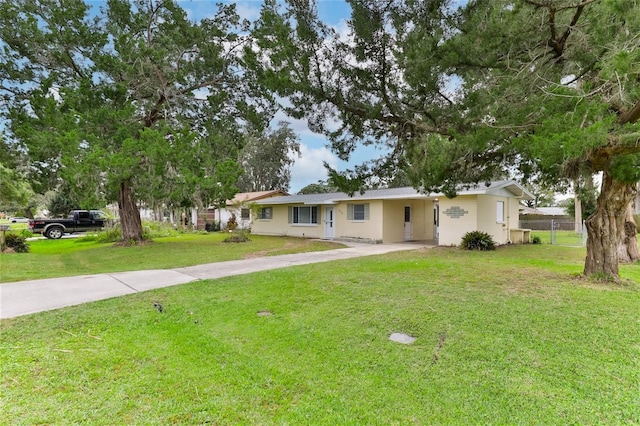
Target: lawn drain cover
{"points": [[264, 313], [402, 338]]}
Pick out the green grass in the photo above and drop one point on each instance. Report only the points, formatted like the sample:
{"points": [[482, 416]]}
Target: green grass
{"points": [[18, 227], [66, 257], [504, 337], [563, 238]]}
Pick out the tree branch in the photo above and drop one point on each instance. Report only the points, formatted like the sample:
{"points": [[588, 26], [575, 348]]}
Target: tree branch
{"points": [[630, 116]]}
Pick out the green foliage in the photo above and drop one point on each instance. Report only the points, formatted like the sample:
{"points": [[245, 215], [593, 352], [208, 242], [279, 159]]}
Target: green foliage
{"points": [[15, 191], [113, 102], [266, 160], [477, 240], [489, 90], [320, 187], [16, 242], [536, 240], [626, 168], [232, 223], [60, 205], [237, 237]]}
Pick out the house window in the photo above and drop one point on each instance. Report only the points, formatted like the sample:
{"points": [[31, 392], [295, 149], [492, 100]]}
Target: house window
{"points": [[265, 213], [245, 214], [500, 212], [358, 212], [303, 215]]}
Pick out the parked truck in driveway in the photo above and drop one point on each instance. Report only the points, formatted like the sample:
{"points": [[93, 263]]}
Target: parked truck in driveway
{"points": [[78, 221]]}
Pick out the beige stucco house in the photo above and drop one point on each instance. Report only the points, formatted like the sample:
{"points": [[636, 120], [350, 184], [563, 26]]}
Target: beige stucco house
{"points": [[397, 215]]}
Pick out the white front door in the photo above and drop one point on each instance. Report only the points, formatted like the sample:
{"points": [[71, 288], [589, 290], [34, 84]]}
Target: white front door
{"points": [[407, 223], [329, 225]]}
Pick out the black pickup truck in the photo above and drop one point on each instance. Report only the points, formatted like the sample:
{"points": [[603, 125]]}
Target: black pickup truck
{"points": [[78, 221]]}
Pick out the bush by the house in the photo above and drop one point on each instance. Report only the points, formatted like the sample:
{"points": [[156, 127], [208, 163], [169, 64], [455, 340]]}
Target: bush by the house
{"points": [[536, 240], [212, 226], [477, 240], [15, 242], [232, 223]]}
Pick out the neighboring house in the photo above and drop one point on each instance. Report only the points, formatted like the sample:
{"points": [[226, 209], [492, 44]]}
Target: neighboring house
{"points": [[240, 206], [397, 214]]}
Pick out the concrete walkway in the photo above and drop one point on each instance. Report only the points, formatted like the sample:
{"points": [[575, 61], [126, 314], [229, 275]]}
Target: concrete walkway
{"points": [[27, 297]]}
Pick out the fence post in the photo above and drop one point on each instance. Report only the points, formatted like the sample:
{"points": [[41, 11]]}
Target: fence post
{"points": [[553, 232]]}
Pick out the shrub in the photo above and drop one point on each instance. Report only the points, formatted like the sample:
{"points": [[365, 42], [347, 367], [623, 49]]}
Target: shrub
{"points": [[232, 223], [212, 226], [536, 240], [110, 235], [477, 240], [237, 237], [18, 243]]}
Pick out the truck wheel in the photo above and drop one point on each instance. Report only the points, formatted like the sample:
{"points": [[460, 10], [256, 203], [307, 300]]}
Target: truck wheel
{"points": [[54, 233]]}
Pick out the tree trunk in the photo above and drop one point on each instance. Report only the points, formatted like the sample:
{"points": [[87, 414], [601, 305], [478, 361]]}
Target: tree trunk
{"points": [[129, 215], [628, 244], [605, 227]]}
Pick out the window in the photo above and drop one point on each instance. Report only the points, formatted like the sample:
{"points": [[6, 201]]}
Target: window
{"points": [[245, 214], [358, 211], [98, 214], [265, 213], [500, 212], [303, 215]]}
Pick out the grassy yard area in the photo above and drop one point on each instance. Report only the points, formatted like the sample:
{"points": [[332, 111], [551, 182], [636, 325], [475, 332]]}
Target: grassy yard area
{"points": [[66, 257], [504, 337], [563, 238]]}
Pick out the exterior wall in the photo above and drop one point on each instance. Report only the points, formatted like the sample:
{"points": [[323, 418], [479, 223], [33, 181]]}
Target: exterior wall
{"points": [[514, 213], [369, 230], [421, 220], [224, 214], [488, 218], [279, 224], [457, 217]]}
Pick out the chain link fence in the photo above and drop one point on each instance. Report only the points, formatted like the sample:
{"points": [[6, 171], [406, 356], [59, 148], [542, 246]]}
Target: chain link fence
{"points": [[557, 231]]}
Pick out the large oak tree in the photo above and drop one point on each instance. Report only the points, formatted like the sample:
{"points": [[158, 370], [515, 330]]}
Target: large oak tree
{"points": [[130, 102], [543, 90]]}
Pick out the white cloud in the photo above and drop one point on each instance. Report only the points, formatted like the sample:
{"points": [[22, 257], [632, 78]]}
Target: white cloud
{"points": [[249, 11], [309, 167]]}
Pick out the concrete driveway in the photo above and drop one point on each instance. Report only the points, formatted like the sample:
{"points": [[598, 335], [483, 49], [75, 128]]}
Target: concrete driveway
{"points": [[27, 297]]}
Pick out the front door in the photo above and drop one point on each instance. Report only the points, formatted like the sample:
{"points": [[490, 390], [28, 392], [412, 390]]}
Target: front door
{"points": [[407, 223], [329, 223]]}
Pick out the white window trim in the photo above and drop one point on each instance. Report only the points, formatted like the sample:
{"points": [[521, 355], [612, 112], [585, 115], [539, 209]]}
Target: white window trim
{"points": [[316, 223]]}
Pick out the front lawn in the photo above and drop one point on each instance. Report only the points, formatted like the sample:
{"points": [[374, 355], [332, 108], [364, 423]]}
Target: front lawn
{"points": [[66, 257], [505, 337]]}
